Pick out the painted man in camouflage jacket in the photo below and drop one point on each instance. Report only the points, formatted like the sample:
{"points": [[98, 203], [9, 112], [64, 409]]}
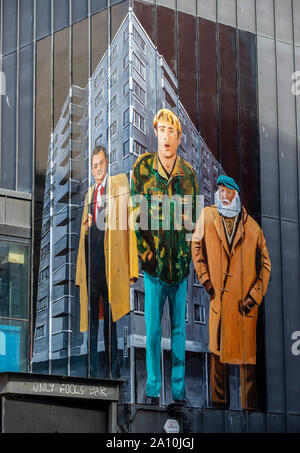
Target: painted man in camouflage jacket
{"points": [[164, 189]]}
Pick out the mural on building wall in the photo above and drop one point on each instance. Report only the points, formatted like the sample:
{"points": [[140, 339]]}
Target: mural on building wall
{"points": [[95, 300], [107, 261], [165, 251], [232, 263]]}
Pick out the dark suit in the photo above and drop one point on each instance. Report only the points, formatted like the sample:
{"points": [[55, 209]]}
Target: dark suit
{"points": [[97, 288]]}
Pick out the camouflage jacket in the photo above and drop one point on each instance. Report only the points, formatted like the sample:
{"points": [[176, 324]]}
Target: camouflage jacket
{"points": [[164, 216]]}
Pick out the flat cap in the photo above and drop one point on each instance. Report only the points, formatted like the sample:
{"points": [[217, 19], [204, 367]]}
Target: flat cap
{"points": [[227, 182]]}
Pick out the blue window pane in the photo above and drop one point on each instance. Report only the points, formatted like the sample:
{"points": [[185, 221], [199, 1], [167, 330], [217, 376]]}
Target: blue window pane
{"points": [[26, 22], [8, 139], [61, 14], [13, 280], [79, 10], [14, 300], [9, 346], [25, 119], [10, 14], [13, 346], [98, 5], [43, 18]]}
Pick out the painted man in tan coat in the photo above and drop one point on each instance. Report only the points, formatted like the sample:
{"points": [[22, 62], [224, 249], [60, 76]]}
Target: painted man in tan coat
{"points": [[107, 260], [232, 263]]}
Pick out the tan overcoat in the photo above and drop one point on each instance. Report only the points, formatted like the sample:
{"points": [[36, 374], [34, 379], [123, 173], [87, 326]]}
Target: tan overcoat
{"points": [[120, 248], [234, 275]]}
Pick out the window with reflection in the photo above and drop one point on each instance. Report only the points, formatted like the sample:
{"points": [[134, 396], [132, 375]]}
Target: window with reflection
{"points": [[14, 292]]}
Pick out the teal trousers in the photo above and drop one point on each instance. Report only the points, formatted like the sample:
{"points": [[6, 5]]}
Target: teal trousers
{"points": [[156, 293]]}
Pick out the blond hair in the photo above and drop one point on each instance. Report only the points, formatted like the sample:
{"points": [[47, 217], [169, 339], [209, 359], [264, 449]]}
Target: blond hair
{"points": [[167, 116]]}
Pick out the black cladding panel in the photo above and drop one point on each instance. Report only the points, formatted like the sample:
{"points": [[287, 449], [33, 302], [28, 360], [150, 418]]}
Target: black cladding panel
{"points": [[22, 416]]}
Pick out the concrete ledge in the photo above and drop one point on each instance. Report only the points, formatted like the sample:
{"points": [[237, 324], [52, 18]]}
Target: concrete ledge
{"points": [[18, 232]]}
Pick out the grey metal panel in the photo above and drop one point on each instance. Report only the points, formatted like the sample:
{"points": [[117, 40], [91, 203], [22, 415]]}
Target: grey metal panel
{"points": [[98, 5], [207, 9], [167, 3], [8, 127], [246, 15], [283, 19], [26, 22], [296, 11], [291, 291], [214, 421], [187, 7], [227, 12], [61, 14], [287, 133], [274, 333], [256, 422], [18, 212], [197, 422], [297, 66], [276, 423], [265, 17], [79, 10], [268, 126], [235, 422], [10, 14], [293, 422], [43, 18], [15, 194], [2, 210], [25, 119]]}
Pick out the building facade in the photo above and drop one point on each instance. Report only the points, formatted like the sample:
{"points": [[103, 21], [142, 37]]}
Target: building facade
{"points": [[77, 74]]}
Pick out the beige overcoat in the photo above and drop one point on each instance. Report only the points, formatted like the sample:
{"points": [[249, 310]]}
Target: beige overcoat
{"points": [[234, 275], [120, 248]]}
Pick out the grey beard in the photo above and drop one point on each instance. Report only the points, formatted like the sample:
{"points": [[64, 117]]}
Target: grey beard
{"points": [[231, 210]]}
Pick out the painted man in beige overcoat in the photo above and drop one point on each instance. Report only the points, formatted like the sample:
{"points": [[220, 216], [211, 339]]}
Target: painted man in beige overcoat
{"points": [[112, 257], [232, 262]]}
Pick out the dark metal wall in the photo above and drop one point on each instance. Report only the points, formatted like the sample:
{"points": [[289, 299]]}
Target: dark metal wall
{"points": [[279, 143], [23, 24], [250, 119]]}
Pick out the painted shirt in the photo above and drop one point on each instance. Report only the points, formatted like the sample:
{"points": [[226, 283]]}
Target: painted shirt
{"points": [[165, 216]]}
